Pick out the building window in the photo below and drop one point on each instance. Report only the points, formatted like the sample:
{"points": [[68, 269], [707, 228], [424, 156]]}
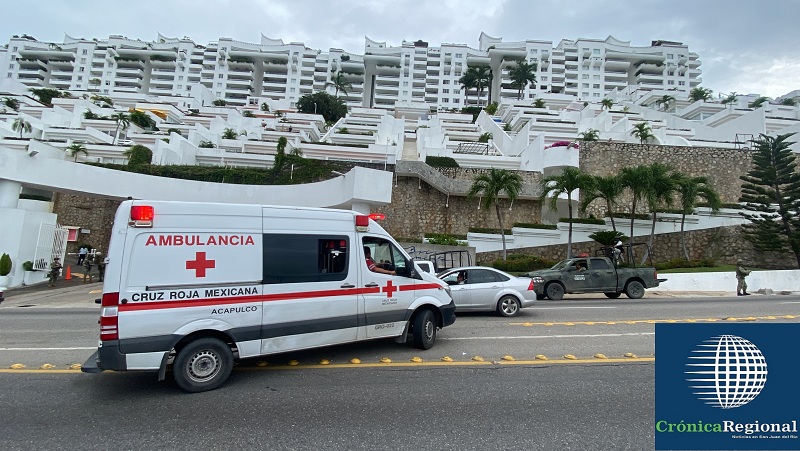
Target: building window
{"points": [[533, 51], [292, 89], [596, 77], [670, 56], [670, 82], [445, 91], [180, 77], [80, 78], [596, 94], [544, 78], [220, 76], [670, 73], [585, 85], [595, 51], [681, 83], [83, 60], [14, 49], [456, 100], [585, 76], [445, 82], [596, 86], [445, 100], [459, 55], [108, 83], [81, 69], [11, 66], [219, 85], [84, 52]]}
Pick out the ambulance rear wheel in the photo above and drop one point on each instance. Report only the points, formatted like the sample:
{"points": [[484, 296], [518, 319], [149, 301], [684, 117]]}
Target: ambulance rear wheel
{"points": [[202, 365], [423, 330]]}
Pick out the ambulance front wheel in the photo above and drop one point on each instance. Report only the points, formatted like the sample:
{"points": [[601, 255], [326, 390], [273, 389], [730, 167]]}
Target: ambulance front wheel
{"points": [[423, 329], [202, 365]]}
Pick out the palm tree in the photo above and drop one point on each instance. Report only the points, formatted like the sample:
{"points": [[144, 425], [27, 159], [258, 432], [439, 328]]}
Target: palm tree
{"points": [[730, 99], [75, 149], [468, 82], [568, 181], [339, 83], [606, 188], [142, 119], [589, 135], [490, 186], [606, 104], [522, 74], [539, 103], [758, 102], [659, 185], [690, 189], [699, 93], [123, 121], [789, 101], [642, 131], [229, 133], [21, 125], [483, 76], [634, 179], [665, 101]]}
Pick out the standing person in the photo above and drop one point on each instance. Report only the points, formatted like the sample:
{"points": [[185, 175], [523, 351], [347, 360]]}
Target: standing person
{"points": [[82, 255], [741, 273], [101, 264], [55, 270], [87, 265]]}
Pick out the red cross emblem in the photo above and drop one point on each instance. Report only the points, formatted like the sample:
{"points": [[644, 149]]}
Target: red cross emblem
{"points": [[200, 264], [389, 289]]}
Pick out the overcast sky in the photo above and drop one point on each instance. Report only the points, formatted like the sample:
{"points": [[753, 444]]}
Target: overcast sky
{"points": [[744, 46]]}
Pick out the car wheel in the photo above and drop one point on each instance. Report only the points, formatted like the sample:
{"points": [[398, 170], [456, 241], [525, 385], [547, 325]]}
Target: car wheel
{"points": [[508, 306], [203, 365], [423, 330], [612, 295], [555, 291], [541, 297], [634, 290]]}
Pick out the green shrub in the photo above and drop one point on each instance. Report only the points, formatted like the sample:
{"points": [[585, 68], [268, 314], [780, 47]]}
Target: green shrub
{"points": [[473, 110], [27, 266], [684, 263], [458, 237], [583, 221], [485, 137], [534, 225], [441, 162], [608, 237], [447, 240], [522, 263], [491, 109], [488, 230], [5, 265], [622, 215]]}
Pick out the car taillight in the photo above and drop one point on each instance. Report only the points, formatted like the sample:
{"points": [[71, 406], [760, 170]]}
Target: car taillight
{"points": [[109, 317], [530, 286]]}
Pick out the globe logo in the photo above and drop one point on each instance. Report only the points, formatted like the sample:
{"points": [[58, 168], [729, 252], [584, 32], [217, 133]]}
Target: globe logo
{"points": [[730, 371]]}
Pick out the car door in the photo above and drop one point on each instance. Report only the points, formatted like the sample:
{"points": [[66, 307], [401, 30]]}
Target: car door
{"points": [[601, 275], [386, 297], [484, 286], [459, 291], [577, 280]]}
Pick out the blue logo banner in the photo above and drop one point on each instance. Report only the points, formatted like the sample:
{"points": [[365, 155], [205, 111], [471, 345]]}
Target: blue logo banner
{"points": [[727, 386]]}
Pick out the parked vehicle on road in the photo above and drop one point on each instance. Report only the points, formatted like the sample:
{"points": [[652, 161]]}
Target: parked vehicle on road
{"points": [[479, 288], [592, 275]]}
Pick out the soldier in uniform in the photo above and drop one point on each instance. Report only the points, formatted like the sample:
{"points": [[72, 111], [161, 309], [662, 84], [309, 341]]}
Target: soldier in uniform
{"points": [[741, 273], [55, 270]]}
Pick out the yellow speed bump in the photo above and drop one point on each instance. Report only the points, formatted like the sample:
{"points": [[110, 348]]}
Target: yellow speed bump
{"points": [[293, 363], [18, 366], [790, 316], [570, 357], [416, 359], [548, 324], [477, 358], [541, 357], [630, 355], [386, 360], [261, 363], [447, 359], [47, 366], [324, 362], [355, 361], [600, 356], [508, 358], [75, 366]]}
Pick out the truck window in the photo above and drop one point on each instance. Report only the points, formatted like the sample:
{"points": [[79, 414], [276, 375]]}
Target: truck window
{"points": [[304, 258], [387, 255], [599, 263]]}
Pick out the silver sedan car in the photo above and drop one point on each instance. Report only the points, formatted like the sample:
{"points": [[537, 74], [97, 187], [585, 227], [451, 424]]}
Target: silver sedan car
{"points": [[480, 288]]}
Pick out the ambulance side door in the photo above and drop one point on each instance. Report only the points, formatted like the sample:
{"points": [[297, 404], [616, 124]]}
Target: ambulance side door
{"points": [[386, 297]]}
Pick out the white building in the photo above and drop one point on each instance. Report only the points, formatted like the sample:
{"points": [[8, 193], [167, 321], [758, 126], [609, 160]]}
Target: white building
{"points": [[243, 73]]}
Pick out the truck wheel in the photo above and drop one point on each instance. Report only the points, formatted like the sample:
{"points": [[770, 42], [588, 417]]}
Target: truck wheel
{"points": [[634, 289], [612, 295], [423, 330], [541, 297], [508, 306], [555, 291], [203, 365]]}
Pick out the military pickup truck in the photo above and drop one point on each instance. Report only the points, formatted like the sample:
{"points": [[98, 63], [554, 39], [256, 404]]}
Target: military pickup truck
{"points": [[592, 275]]}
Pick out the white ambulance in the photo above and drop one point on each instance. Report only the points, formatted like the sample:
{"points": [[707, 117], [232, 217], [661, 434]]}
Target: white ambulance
{"points": [[197, 286]]}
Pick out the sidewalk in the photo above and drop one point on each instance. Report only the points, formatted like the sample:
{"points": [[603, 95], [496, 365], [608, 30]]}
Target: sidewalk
{"points": [[66, 293]]}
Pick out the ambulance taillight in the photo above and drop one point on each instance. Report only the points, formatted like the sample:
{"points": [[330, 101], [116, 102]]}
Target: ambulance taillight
{"points": [[109, 317], [142, 216], [377, 216]]}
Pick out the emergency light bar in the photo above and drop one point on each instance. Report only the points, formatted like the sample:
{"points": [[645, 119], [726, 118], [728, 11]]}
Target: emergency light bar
{"points": [[377, 216], [142, 216]]}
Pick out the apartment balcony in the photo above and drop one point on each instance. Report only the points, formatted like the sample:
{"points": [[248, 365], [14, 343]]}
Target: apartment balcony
{"points": [[240, 75], [31, 74], [273, 89], [238, 89], [61, 74], [31, 64], [133, 83]]}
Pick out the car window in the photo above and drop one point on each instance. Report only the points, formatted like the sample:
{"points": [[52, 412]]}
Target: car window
{"points": [[480, 276], [501, 277], [599, 263]]}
